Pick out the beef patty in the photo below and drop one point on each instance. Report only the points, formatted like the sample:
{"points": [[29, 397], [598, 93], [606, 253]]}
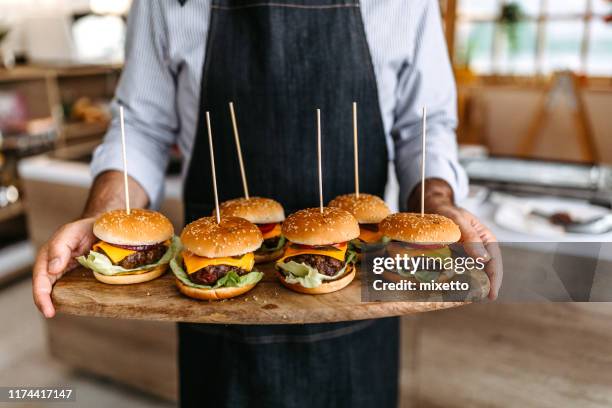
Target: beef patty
{"points": [[324, 264], [148, 256], [209, 275]]}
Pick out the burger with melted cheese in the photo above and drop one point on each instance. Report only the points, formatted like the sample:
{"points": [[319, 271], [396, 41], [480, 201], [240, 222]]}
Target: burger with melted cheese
{"points": [[317, 258], [368, 210], [268, 215], [132, 248], [217, 259], [427, 237]]}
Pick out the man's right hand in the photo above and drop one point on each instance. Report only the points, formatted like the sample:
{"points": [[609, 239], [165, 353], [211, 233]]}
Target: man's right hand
{"points": [[57, 257]]}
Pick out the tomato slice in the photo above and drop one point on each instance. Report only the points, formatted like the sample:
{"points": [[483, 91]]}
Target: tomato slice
{"points": [[266, 227]]}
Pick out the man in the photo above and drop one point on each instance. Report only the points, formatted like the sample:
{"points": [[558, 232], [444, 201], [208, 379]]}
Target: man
{"points": [[278, 61]]}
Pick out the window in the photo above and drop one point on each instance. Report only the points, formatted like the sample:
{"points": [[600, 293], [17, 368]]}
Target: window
{"points": [[526, 37]]}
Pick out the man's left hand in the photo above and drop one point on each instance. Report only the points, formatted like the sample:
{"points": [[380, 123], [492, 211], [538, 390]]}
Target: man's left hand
{"points": [[478, 240]]}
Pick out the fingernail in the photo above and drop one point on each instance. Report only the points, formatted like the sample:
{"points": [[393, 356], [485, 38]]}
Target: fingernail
{"points": [[54, 264], [485, 255], [482, 251]]}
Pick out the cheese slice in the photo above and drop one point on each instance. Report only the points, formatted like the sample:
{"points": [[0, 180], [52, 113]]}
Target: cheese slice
{"points": [[336, 253], [369, 236], [194, 263], [273, 233], [401, 249], [115, 254]]}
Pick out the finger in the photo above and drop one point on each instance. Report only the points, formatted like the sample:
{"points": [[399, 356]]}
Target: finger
{"points": [[472, 243], [41, 285], [61, 248], [483, 231], [494, 269]]}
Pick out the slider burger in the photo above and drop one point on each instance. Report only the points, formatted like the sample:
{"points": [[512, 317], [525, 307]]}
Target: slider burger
{"points": [[368, 210], [317, 258], [133, 248], [427, 237], [268, 215], [217, 258]]}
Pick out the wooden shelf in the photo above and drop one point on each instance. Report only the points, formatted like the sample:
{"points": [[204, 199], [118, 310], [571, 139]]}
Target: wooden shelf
{"points": [[22, 74], [77, 130], [30, 72]]}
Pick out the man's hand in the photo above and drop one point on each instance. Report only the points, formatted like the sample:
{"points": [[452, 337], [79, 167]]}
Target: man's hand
{"points": [[478, 240], [56, 257]]}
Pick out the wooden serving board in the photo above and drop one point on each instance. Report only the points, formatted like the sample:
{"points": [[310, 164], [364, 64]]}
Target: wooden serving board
{"points": [[79, 293]]}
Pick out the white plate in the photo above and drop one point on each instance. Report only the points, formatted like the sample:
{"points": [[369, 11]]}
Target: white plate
{"points": [[514, 214]]}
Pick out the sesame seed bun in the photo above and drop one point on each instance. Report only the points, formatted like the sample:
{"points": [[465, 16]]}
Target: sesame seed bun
{"points": [[140, 227], [428, 229], [231, 237], [129, 279], [212, 294], [325, 287], [311, 227], [367, 209], [258, 210]]}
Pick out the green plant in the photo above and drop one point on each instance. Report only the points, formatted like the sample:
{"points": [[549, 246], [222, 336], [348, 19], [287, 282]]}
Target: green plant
{"points": [[510, 16]]}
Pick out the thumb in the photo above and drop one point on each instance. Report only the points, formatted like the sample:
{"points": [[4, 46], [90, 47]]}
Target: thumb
{"points": [[62, 247]]}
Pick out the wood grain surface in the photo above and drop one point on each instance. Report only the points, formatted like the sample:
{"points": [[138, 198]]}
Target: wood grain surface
{"points": [[79, 293]]}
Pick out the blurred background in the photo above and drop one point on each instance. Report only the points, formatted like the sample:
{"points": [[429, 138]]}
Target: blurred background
{"points": [[534, 84]]}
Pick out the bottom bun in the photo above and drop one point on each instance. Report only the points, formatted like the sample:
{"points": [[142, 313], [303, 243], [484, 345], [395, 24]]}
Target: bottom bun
{"points": [[269, 256], [133, 278], [325, 287], [212, 294]]}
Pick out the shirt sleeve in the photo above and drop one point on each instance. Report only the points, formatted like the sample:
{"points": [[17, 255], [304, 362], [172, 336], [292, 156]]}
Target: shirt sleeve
{"points": [[427, 80], [147, 92]]}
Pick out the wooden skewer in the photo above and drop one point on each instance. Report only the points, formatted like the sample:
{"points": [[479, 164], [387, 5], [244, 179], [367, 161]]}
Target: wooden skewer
{"points": [[125, 174], [239, 151], [212, 166], [356, 149], [319, 159], [424, 137]]}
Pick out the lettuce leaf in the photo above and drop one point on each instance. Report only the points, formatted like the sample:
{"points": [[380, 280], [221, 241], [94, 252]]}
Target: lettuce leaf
{"points": [[101, 264], [307, 276], [231, 279]]}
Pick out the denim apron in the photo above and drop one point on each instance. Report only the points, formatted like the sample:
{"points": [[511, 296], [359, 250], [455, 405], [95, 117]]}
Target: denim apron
{"points": [[278, 61]]}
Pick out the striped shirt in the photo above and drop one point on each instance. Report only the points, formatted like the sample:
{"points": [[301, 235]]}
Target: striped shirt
{"points": [[160, 85]]}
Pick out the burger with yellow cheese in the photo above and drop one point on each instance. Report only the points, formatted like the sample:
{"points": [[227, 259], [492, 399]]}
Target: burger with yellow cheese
{"points": [[132, 248], [317, 258], [426, 237], [216, 261], [368, 210], [268, 215]]}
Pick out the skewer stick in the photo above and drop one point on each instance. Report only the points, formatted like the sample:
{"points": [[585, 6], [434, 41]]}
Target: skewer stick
{"points": [[125, 174], [356, 149], [212, 166], [239, 150], [424, 136], [319, 159]]}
